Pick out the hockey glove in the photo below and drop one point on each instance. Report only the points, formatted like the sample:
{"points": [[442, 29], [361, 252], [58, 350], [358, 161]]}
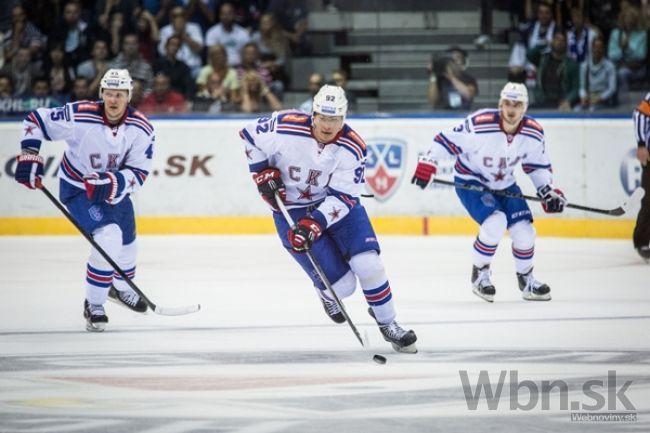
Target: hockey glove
{"points": [[304, 234], [269, 181], [103, 187], [29, 170], [424, 172], [554, 200]]}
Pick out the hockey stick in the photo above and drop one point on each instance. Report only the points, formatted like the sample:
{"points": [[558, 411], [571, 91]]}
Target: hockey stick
{"points": [[379, 359], [636, 197], [165, 311]]}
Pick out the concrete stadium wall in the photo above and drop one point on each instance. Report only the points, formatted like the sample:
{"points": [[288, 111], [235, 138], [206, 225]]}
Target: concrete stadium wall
{"points": [[200, 182]]}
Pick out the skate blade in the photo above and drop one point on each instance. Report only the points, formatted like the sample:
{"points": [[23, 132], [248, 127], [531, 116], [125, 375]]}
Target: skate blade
{"points": [[488, 298], [411, 348], [95, 327], [532, 297]]}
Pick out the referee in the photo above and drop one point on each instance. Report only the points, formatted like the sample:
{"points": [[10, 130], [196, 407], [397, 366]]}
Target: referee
{"points": [[641, 235]]}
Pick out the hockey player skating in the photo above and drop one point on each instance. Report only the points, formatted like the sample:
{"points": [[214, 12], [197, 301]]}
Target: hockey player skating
{"points": [[641, 236], [488, 146], [316, 163], [109, 155]]}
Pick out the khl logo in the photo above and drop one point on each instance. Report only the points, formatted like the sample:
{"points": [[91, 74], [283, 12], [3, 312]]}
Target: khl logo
{"points": [[630, 172], [384, 166]]}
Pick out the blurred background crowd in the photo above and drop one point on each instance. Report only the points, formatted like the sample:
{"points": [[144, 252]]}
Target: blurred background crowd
{"points": [[213, 56]]}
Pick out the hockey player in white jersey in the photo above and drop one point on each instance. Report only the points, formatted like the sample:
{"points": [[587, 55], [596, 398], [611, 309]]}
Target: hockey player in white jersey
{"points": [[488, 145], [109, 155], [316, 163]]}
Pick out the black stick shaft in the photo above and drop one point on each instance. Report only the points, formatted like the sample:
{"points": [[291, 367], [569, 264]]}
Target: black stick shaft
{"points": [[321, 273], [92, 241], [480, 188]]}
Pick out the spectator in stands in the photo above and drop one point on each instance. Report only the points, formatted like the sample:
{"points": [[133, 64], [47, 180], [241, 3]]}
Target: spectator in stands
{"points": [[104, 9], [59, 71], [537, 34], [131, 59], [274, 47], [628, 48], [558, 78], [41, 87], [148, 33], [564, 14], [201, 12], [580, 37], [137, 94], [256, 96], [191, 37], [214, 98], [22, 34], [6, 87], [603, 14], [340, 78], [163, 100], [42, 13], [73, 32], [229, 34], [450, 87], [292, 17], [116, 32], [6, 13], [81, 90], [316, 81], [2, 50], [179, 73], [250, 62], [22, 71], [248, 12], [597, 79], [94, 68], [218, 62]]}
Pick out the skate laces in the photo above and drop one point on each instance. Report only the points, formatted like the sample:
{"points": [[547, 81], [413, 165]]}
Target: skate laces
{"points": [[96, 310], [483, 277], [393, 330], [129, 297], [332, 307], [530, 281]]}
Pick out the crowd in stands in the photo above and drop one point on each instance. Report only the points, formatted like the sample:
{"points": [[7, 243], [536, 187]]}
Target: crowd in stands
{"points": [[208, 56], [575, 54], [224, 56]]}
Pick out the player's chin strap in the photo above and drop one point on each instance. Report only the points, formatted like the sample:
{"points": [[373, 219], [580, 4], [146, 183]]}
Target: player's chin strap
{"points": [[321, 275], [165, 311], [635, 198]]}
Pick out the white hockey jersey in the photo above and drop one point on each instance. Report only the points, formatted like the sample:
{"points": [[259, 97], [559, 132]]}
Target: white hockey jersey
{"points": [[93, 144], [487, 154], [312, 172]]}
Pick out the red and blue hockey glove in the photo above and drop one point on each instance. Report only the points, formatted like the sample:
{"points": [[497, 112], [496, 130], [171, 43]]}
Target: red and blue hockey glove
{"points": [[103, 187], [554, 200], [424, 172], [29, 170], [269, 181], [304, 234]]}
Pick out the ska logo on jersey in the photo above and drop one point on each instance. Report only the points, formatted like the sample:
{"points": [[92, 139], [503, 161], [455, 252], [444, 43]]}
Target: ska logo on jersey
{"points": [[384, 166]]}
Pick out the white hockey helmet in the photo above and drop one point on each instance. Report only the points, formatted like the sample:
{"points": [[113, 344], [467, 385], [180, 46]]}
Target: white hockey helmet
{"points": [[117, 79], [515, 92], [330, 101]]}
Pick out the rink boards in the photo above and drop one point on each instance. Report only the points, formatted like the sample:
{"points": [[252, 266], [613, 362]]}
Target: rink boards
{"points": [[200, 182]]}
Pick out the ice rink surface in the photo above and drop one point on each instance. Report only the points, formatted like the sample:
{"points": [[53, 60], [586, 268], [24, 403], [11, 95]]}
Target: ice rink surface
{"points": [[262, 357]]}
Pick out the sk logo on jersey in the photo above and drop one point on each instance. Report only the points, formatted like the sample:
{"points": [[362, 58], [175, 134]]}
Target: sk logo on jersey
{"points": [[384, 166]]}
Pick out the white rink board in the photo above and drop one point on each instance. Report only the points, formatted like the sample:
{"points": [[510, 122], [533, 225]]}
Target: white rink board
{"points": [[200, 168]]}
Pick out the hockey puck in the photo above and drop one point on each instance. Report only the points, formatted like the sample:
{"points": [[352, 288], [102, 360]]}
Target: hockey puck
{"points": [[379, 359]]}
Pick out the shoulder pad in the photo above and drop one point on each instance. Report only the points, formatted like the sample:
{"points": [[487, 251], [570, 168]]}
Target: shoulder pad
{"points": [[86, 107], [139, 120], [485, 118], [352, 142], [532, 123], [295, 118]]}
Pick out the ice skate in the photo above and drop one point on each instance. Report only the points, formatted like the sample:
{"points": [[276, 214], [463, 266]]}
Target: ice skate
{"points": [[644, 252], [533, 290], [128, 299], [402, 340], [333, 311], [96, 318], [481, 284]]}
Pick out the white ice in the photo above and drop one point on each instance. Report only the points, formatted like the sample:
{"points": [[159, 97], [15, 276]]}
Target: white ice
{"points": [[261, 356]]}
